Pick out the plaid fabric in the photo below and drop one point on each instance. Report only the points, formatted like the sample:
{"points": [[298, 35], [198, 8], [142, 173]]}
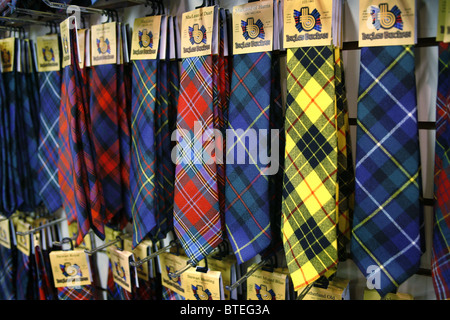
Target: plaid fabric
{"points": [[27, 147], [23, 276], [65, 167], [197, 219], [386, 225], [112, 289], [276, 180], [309, 191], [43, 281], [164, 168], [142, 171], [50, 94], [247, 213], [146, 290], [86, 184], [345, 174], [12, 196], [440, 262], [8, 265], [104, 106], [221, 90], [76, 293], [124, 118], [168, 294]]}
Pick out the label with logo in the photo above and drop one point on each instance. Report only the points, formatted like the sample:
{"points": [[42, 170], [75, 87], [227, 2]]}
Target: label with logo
{"points": [[253, 27], [104, 44], [172, 263], [5, 238], [48, 53], [145, 38], [70, 268], [265, 285], [337, 290], [23, 241], [203, 286], [386, 22], [198, 31], [64, 28], [307, 23], [120, 262], [7, 51], [226, 268], [141, 251]]}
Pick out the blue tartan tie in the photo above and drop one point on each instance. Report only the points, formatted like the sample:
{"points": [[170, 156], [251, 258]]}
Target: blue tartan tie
{"points": [[386, 236], [50, 94], [11, 189], [247, 198], [142, 170]]}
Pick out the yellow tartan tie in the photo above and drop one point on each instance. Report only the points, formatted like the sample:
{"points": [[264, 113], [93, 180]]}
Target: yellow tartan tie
{"points": [[310, 216]]}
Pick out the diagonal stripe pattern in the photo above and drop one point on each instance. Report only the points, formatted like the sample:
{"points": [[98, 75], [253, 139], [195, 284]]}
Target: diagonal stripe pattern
{"points": [[197, 220], [345, 174], [440, 262], [142, 171], [386, 234], [105, 106], [77, 160], [247, 198], [309, 213], [50, 97]]}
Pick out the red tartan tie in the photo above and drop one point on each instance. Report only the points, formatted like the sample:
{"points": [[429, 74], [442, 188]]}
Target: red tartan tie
{"points": [[104, 110], [78, 159], [199, 183]]}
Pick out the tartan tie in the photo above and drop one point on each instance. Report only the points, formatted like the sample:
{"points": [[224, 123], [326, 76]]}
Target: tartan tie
{"points": [[440, 263], [276, 180], [168, 294], [167, 93], [386, 231], [44, 284], [89, 208], [104, 111], [76, 293], [8, 271], [345, 173], [142, 171], [309, 192], [197, 219], [50, 94], [12, 194], [23, 276], [247, 213], [124, 117]]}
